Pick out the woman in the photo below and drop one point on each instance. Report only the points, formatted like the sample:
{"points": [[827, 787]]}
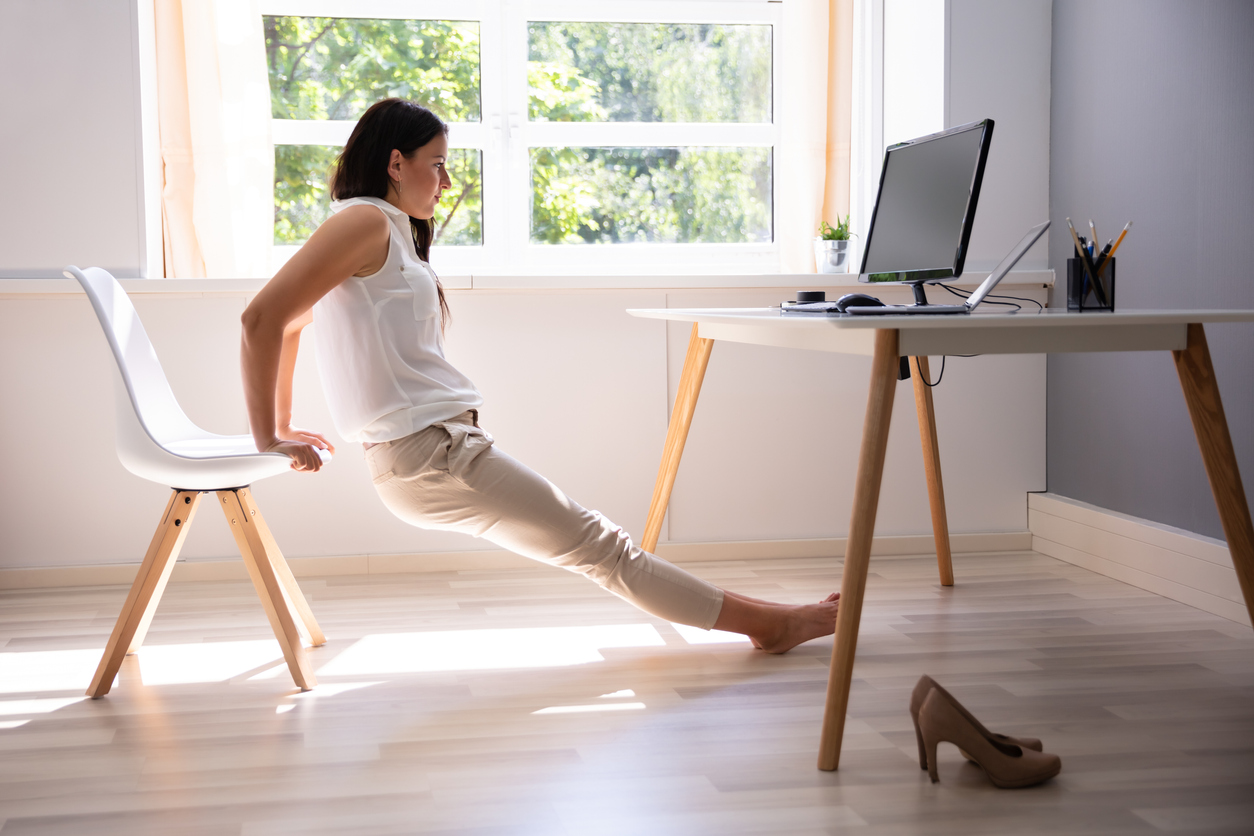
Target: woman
{"points": [[363, 277]]}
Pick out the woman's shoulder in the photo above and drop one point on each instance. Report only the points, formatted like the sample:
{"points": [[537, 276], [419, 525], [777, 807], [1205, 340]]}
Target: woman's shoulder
{"points": [[356, 217], [355, 239], [359, 205]]}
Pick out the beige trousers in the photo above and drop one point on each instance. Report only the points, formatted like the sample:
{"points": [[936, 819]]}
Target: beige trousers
{"points": [[449, 476]]}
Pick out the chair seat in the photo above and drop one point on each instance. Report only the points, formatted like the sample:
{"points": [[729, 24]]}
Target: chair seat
{"points": [[210, 446], [209, 462]]}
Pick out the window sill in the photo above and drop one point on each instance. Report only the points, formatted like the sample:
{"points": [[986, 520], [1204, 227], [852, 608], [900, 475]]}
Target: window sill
{"points": [[27, 288]]}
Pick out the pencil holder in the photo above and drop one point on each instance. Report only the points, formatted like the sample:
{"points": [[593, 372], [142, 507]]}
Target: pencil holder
{"points": [[1081, 295]]}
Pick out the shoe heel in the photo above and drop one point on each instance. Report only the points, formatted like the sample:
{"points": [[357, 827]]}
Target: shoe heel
{"points": [[921, 690], [930, 754]]}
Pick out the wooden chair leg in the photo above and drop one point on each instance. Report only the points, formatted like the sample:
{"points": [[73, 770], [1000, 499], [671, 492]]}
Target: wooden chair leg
{"points": [[1201, 393], [879, 413], [932, 469], [690, 381], [296, 599], [252, 547], [132, 625]]}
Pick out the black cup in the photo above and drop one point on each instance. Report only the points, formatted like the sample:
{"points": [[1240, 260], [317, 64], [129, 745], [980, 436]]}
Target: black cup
{"points": [[1081, 295]]}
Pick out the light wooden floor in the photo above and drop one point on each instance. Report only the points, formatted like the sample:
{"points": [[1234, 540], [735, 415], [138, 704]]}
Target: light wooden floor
{"points": [[1150, 704]]}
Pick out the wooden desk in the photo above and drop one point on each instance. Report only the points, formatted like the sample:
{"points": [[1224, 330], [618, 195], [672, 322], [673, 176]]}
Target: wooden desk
{"points": [[886, 339]]}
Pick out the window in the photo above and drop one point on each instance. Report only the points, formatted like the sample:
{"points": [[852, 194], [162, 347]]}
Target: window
{"points": [[586, 136]]}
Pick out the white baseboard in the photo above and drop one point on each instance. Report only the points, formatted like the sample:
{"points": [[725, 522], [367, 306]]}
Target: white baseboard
{"points": [[379, 564], [1171, 562]]}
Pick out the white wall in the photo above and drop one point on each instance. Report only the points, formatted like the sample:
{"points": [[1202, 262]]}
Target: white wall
{"points": [[70, 137], [914, 69], [575, 387], [998, 67]]}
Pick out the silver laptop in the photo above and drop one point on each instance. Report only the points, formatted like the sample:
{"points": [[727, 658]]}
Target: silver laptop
{"points": [[974, 299]]}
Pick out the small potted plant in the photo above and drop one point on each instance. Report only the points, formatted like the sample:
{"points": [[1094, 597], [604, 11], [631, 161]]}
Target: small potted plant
{"points": [[833, 251]]}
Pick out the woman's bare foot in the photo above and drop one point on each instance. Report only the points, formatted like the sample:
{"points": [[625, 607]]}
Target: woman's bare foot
{"points": [[777, 628]]}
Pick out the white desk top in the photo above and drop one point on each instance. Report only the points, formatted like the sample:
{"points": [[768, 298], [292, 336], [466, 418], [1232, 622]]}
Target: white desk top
{"points": [[1022, 332]]}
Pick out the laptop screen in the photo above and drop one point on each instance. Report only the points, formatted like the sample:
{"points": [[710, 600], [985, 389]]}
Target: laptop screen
{"points": [[1007, 264]]}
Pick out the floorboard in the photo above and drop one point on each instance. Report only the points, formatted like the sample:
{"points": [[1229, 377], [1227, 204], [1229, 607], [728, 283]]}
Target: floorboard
{"points": [[530, 702]]}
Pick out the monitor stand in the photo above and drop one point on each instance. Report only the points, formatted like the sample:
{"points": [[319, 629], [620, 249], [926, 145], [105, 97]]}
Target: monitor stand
{"points": [[920, 297]]}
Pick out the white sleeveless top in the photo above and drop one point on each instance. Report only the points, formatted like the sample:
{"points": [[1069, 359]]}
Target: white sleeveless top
{"points": [[379, 347]]}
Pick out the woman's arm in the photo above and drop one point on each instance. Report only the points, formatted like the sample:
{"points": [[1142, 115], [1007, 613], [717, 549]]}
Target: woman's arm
{"points": [[283, 394], [353, 242]]}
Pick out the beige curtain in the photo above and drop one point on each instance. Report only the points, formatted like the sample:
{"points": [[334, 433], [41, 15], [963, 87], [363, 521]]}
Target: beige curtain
{"points": [[813, 161], [213, 100]]}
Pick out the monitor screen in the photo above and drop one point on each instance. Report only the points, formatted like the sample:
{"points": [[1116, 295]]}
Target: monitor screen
{"points": [[929, 188]]}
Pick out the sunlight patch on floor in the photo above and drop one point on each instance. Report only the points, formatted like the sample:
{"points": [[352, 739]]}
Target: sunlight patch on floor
{"points": [[9, 708], [473, 650], [695, 635], [47, 670], [581, 709], [180, 664]]}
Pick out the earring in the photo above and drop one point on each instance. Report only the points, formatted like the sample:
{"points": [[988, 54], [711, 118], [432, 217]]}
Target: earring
{"points": [[399, 188]]}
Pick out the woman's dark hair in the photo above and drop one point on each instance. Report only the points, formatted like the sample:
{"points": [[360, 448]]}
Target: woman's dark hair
{"points": [[362, 167]]}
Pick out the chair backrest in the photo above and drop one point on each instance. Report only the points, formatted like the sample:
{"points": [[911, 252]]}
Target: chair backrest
{"points": [[151, 400]]}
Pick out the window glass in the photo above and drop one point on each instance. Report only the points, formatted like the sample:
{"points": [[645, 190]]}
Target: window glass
{"points": [[644, 132], [649, 72], [335, 68], [302, 200], [650, 195]]}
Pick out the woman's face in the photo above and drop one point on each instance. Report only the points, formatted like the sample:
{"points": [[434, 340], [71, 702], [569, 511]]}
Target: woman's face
{"points": [[419, 180]]}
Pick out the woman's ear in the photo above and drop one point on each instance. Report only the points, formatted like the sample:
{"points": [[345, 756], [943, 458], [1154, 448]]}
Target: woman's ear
{"points": [[394, 165]]}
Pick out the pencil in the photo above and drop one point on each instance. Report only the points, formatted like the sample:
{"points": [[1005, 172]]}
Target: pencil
{"points": [[1093, 232], [1098, 290], [1118, 241]]}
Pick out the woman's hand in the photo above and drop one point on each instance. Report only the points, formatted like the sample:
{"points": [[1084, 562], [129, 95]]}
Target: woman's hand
{"points": [[318, 440], [304, 455]]}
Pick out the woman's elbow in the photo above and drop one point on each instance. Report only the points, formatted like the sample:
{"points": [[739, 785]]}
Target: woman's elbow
{"points": [[256, 320]]}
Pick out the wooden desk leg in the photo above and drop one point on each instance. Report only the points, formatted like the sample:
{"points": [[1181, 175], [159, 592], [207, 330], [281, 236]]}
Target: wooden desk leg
{"points": [[879, 413], [252, 546], [677, 434], [1201, 393], [141, 603], [295, 598], [932, 468]]}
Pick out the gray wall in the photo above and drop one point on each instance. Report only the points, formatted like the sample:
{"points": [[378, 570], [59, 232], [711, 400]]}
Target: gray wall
{"points": [[1152, 120]]}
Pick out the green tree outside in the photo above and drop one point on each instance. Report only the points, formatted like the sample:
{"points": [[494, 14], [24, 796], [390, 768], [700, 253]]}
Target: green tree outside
{"points": [[334, 68]]}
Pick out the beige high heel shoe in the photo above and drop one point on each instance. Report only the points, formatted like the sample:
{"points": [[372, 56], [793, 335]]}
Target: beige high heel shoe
{"points": [[1007, 765], [925, 685]]}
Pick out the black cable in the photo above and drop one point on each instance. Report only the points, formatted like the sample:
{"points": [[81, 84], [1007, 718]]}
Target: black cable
{"points": [[989, 299], [1017, 298], [955, 292], [919, 368], [961, 295]]}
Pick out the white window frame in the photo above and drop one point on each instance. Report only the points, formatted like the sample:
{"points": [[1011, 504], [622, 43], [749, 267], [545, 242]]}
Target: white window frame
{"points": [[504, 136]]}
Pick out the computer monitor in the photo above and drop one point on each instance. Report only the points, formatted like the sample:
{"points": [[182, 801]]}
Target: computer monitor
{"points": [[929, 188]]}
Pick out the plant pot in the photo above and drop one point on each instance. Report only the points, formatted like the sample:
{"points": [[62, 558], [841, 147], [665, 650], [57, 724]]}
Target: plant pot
{"points": [[833, 256]]}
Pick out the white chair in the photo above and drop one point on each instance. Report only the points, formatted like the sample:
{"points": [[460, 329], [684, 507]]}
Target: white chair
{"points": [[158, 442]]}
